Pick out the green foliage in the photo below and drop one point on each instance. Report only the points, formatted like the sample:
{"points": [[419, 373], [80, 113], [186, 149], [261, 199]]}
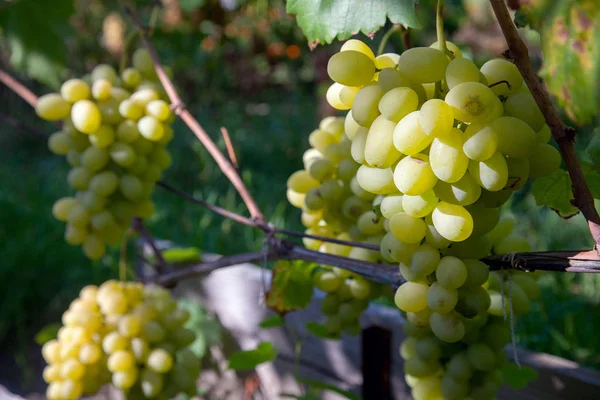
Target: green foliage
{"points": [[35, 32], [319, 330], [190, 5], [47, 333], [179, 255], [518, 377], [206, 328], [292, 286], [554, 191], [249, 359], [323, 21], [570, 34], [272, 322]]}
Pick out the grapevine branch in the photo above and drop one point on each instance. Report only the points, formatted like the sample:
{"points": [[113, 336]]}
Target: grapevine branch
{"points": [[564, 135], [229, 145], [18, 88], [138, 225]]}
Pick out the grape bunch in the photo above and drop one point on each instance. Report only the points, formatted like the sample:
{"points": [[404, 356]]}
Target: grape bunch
{"points": [[114, 133], [443, 144], [334, 205], [123, 333]]}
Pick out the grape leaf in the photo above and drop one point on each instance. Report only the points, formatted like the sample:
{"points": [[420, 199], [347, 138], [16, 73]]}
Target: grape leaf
{"points": [[181, 255], [324, 20], [593, 148], [272, 322], [570, 37], [249, 359], [47, 333], [555, 192], [319, 331], [191, 5], [292, 286], [518, 377], [35, 32]]}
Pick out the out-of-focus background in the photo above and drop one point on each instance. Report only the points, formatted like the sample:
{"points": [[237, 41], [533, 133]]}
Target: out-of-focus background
{"points": [[240, 64]]}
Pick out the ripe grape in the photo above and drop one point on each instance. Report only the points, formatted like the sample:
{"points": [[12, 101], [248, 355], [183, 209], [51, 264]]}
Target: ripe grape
{"points": [[351, 68], [423, 64]]}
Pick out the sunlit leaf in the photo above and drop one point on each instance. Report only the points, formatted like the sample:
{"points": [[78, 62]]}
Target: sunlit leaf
{"points": [[47, 333], [554, 191], [272, 322], [249, 359], [292, 286]]}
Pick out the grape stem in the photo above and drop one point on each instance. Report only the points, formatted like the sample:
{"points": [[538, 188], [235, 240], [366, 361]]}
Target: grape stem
{"points": [[564, 135], [439, 26], [18, 88], [500, 83], [384, 40], [229, 146], [137, 224]]}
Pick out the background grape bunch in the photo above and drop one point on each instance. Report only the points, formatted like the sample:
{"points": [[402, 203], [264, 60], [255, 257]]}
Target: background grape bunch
{"points": [[114, 133], [440, 144], [123, 333]]}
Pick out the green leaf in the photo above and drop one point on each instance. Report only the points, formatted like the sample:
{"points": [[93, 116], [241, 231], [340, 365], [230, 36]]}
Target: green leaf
{"points": [[593, 147], [319, 331], [272, 322], [35, 32], [249, 359], [521, 19], [592, 177], [47, 333], [570, 37], [191, 5], [516, 377], [555, 192], [178, 255], [206, 328], [313, 383], [292, 286], [324, 20]]}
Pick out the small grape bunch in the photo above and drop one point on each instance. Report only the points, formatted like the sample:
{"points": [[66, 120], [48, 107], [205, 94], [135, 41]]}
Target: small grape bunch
{"points": [[114, 133], [123, 333]]}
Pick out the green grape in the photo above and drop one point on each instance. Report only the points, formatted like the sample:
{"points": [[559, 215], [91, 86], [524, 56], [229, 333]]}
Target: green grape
{"points": [[347, 313], [379, 149], [447, 327], [376, 180], [59, 143], [425, 260], [168, 135], [127, 132], [357, 150], [333, 97], [321, 169], [327, 281], [346, 169], [125, 379], [463, 192], [461, 70], [52, 107], [151, 383], [436, 118], [453, 222], [369, 223], [182, 337], [472, 301], [524, 107], [366, 104], [78, 216], [543, 135], [90, 353], [92, 202], [101, 89], [421, 205], [423, 64], [94, 159], [122, 154], [411, 297], [62, 207], [407, 229], [351, 127], [158, 109], [477, 273], [75, 234], [473, 247], [497, 301], [150, 128], [390, 205], [451, 47], [333, 325], [386, 60], [420, 318], [331, 190], [320, 140], [347, 94], [528, 284], [502, 229], [474, 102], [71, 369], [357, 45], [104, 183], [131, 187], [481, 357], [518, 172], [480, 142], [51, 373], [499, 70], [417, 367], [130, 77], [153, 173], [515, 137], [393, 250], [145, 95], [120, 360], [491, 174], [390, 78], [131, 110], [428, 348], [413, 175], [441, 299], [330, 304], [408, 348], [453, 389], [397, 103], [109, 110], [337, 151], [294, 198], [142, 61], [74, 158], [447, 159], [433, 237], [409, 138], [496, 335], [484, 219], [351, 68], [86, 116], [360, 288], [543, 160], [74, 90], [93, 247], [459, 367], [521, 304], [70, 389], [494, 199], [451, 272], [103, 137], [103, 221], [79, 178], [104, 71]]}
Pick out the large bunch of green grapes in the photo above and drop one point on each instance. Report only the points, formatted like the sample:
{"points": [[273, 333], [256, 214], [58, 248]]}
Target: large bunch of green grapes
{"points": [[127, 334], [334, 205], [114, 132], [444, 144]]}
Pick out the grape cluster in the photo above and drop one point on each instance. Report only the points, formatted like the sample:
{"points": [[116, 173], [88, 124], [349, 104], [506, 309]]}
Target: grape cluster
{"points": [[114, 132], [443, 144], [126, 334], [334, 205]]}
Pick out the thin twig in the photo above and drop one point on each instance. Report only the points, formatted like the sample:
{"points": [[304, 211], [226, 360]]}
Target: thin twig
{"points": [[439, 26], [288, 232], [564, 135], [18, 88], [138, 225], [394, 29], [195, 127], [229, 146]]}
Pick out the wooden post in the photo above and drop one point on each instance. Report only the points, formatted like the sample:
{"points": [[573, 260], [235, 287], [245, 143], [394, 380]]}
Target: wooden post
{"points": [[376, 360]]}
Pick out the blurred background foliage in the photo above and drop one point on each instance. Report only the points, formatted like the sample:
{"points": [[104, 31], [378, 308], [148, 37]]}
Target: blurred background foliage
{"points": [[240, 64]]}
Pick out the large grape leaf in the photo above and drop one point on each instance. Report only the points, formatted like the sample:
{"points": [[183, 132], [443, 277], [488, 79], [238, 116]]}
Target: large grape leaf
{"points": [[555, 192], [292, 286], [570, 35], [35, 31], [249, 359], [324, 20]]}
